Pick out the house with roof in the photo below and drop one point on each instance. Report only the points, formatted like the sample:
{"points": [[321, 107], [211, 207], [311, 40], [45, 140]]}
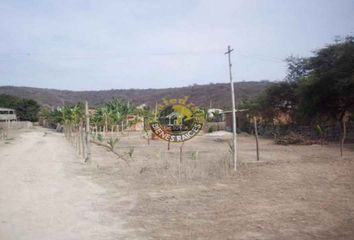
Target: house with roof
{"points": [[7, 114]]}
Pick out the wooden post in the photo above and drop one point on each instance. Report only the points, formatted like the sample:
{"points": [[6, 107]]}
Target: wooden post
{"points": [[256, 134], [95, 131], [343, 134], [87, 131], [148, 137], [82, 140], [155, 119], [181, 153]]}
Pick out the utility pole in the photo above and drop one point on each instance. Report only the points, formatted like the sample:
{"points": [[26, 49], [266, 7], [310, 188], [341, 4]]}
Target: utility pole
{"points": [[229, 50]]}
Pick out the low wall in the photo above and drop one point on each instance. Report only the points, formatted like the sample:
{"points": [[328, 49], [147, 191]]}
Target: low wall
{"points": [[16, 124]]}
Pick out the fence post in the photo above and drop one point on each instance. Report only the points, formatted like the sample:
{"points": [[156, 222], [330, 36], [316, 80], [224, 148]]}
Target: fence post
{"points": [[87, 131], [80, 141], [83, 141], [256, 134]]}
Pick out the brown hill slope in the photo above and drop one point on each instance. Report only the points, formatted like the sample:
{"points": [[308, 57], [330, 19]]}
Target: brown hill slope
{"points": [[201, 95]]}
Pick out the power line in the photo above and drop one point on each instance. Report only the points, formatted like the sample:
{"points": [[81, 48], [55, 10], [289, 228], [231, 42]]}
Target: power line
{"points": [[259, 57], [262, 57], [29, 55]]}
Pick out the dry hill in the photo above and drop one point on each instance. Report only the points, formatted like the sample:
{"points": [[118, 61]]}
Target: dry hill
{"points": [[202, 95]]}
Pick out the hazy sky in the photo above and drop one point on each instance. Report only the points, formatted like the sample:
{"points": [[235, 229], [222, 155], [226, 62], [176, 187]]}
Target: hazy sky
{"points": [[167, 43]]}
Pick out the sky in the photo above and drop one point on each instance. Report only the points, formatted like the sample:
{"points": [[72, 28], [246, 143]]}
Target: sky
{"points": [[116, 44]]}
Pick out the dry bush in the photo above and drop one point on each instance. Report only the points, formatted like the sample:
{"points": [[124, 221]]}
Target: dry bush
{"points": [[173, 167], [153, 163], [292, 138]]}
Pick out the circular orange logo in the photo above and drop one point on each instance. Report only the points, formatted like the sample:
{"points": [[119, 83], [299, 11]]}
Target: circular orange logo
{"points": [[177, 121]]}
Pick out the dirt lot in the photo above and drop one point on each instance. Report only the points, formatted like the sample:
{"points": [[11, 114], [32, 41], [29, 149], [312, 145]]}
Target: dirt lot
{"points": [[294, 192]]}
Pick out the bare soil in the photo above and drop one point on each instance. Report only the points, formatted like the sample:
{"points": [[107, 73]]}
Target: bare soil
{"points": [[43, 194], [293, 192]]}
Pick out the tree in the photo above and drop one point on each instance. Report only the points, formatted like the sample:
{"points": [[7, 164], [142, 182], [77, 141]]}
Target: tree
{"points": [[26, 109], [279, 98], [297, 68], [328, 90], [8, 101], [115, 112]]}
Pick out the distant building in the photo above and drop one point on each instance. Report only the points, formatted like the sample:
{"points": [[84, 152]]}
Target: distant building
{"points": [[135, 123], [7, 114], [282, 119], [142, 106], [241, 114], [228, 118], [215, 115]]}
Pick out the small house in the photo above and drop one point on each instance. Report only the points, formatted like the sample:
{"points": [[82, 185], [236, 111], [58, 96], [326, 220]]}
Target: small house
{"points": [[228, 118], [7, 114]]}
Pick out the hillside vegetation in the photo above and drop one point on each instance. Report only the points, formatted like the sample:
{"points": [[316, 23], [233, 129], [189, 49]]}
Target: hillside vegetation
{"points": [[201, 95]]}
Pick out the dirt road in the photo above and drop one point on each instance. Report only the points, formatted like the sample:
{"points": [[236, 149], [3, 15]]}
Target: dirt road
{"points": [[43, 195]]}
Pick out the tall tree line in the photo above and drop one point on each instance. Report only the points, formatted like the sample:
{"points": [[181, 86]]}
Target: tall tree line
{"points": [[316, 90]]}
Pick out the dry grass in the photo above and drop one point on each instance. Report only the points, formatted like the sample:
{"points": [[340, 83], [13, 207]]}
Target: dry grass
{"points": [[294, 192], [153, 163]]}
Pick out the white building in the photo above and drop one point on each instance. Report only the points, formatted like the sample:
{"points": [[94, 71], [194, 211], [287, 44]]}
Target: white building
{"points": [[7, 114]]}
